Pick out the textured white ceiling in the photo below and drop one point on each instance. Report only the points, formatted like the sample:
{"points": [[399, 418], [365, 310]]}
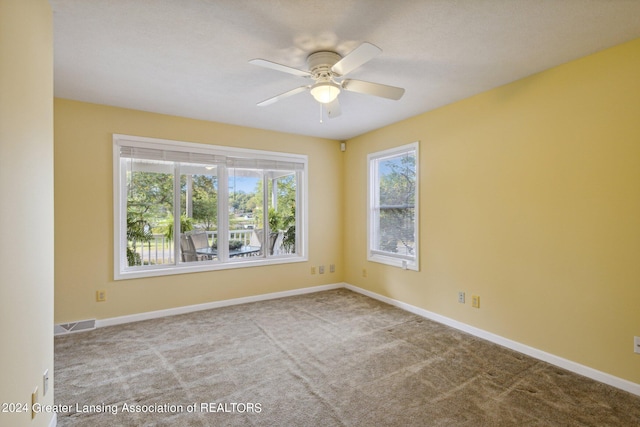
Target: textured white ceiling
{"points": [[190, 57]]}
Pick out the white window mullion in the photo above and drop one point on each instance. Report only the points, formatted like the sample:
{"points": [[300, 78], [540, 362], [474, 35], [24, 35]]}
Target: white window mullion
{"points": [[376, 206], [223, 214], [266, 244], [299, 209], [274, 193], [177, 226], [122, 255], [189, 198]]}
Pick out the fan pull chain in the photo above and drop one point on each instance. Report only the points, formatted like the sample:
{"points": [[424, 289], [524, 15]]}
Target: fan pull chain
{"points": [[320, 113]]}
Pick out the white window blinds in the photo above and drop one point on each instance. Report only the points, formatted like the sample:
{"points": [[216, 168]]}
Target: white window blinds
{"points": [[145, 153]]}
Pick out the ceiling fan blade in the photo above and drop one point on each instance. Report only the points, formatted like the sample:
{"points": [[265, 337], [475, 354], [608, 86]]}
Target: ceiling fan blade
{"points": [[333, 108], [376, 89], [358, 56], [282, 96], [279, 67]]}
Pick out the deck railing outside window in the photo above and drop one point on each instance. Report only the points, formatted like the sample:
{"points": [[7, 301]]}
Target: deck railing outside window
{"points": [[159, 250]]}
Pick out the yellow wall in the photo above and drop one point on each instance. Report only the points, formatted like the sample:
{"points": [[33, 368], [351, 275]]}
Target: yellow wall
{"points": [[26, 206], [529, 198], [84, 214]]}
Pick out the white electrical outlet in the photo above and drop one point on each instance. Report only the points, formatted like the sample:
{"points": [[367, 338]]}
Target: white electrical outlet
{"points": [[321, 269], [461, 297], [636, 345]]}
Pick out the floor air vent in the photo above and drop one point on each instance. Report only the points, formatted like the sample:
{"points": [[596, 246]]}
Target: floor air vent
{"points": [[69, 328]]}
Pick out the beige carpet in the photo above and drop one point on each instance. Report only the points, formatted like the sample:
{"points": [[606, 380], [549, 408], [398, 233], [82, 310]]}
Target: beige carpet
{"points": [[332, 358]]}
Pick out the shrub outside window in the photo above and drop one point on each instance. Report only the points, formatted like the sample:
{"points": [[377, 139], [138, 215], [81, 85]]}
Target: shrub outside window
{"points": [[182, 207], [393, 207]]}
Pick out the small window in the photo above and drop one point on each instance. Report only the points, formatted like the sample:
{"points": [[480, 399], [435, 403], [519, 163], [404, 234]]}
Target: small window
{"points": [[393, 207], [183, 207]]}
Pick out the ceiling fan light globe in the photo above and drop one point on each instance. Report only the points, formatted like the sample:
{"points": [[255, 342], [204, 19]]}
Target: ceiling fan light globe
{"points": [[325, 92]]}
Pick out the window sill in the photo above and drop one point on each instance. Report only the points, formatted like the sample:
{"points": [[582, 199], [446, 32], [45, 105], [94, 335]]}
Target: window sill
{"points": [[204, 267], [394, 261]]}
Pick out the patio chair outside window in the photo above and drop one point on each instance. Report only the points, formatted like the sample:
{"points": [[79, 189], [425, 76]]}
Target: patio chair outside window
{"points": [[188, 250], [257, 239], [200, 240]]}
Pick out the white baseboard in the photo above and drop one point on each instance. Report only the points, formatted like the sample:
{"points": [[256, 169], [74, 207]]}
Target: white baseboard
{"points": [[569, 365], [101, 323]]}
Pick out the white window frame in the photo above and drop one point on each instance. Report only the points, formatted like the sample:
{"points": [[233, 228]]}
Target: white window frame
{"points": [[121, 268], [406, 262]]}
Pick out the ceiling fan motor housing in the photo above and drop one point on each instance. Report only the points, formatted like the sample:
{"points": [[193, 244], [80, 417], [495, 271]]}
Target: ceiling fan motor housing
{"points": [[320, 64]]}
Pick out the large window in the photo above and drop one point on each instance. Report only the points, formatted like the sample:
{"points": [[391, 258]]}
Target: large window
{"points": [[393, 207], [183, 207]]}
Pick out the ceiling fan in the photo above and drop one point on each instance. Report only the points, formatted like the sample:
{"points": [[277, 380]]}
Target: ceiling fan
{"points": [[327, 69]]}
